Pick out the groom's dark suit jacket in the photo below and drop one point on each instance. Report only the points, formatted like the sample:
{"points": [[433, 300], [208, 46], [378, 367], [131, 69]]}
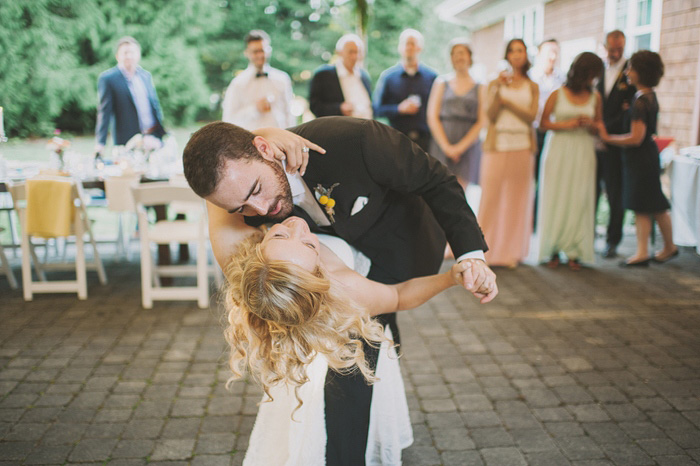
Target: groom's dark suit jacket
{"points": [[621, 93], [116, 104], [413, 201]]}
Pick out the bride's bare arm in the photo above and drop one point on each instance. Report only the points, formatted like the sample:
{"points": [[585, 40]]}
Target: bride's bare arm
{"points": [[379, 298]]}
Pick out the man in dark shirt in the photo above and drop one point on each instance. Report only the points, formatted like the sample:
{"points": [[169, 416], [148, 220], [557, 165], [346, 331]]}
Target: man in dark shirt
{"points": [[402, 91]]}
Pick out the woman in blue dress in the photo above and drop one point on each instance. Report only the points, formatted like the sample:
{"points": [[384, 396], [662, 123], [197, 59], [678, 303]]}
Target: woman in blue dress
{"points": [[641, 168]]}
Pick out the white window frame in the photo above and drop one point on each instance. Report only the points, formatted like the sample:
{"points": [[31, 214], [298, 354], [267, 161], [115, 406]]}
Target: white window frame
{"points": [[631, 30], [526, 24]]}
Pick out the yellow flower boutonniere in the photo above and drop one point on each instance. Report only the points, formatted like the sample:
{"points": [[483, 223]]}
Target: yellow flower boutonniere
{"points": [[622, 86], [323, 196]]}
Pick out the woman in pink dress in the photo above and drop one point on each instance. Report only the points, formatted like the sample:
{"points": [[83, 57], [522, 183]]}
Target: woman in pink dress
{"points": [[505, 212]]}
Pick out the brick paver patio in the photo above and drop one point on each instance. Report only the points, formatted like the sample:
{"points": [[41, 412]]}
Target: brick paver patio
{"points": [[590, 368]]}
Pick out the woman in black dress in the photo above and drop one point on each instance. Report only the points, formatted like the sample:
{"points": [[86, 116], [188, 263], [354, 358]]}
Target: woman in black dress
{"points": [[641, 171]]}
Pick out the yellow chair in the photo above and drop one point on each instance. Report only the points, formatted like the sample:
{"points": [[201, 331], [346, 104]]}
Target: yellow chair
{"points": [[52, 207]]}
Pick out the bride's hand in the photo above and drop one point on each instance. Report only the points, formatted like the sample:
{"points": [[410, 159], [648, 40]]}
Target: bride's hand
{"points": [[290, 147], [479, 279]]}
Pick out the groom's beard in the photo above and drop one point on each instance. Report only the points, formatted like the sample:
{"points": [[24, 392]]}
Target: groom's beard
{"points": [[285, 198]]}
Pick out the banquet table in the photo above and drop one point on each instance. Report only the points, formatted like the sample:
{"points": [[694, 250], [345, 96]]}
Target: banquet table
{"points": [[97, 182], [685, 198]]}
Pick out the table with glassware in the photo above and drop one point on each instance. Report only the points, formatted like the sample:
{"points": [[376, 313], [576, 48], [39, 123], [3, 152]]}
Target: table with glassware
{"points": [[92, 174]]}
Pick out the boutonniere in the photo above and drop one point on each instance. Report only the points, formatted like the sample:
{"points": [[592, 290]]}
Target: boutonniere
{"points": [[323, 196], [622, 86]]}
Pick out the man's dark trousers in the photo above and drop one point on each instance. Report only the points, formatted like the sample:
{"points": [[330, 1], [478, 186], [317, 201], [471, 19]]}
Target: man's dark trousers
{"points": [[609, 176]]}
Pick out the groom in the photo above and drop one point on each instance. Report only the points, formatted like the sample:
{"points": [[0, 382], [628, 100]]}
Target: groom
{"points": [[392, 201]]}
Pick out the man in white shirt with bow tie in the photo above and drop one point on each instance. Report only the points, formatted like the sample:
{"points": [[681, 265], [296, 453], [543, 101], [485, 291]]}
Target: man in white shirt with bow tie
{"points": [[260, 96]]}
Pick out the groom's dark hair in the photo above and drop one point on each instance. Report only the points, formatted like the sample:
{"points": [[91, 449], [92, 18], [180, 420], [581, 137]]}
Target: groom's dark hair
{"points": [[208, 148]]}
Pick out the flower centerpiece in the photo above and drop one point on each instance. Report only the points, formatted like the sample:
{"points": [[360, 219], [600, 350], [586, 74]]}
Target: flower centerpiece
{"points": [[58, 145]]}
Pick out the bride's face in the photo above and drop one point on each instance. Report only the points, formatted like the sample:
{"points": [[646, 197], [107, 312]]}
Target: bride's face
{"points": [[292, 241]]}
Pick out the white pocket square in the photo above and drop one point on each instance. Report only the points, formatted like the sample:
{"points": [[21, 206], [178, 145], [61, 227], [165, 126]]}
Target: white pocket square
{"points": [[359, 204]]}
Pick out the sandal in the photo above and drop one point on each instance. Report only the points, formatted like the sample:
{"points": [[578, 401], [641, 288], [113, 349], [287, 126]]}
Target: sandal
{"points": [[553, 263], [574, 265]]}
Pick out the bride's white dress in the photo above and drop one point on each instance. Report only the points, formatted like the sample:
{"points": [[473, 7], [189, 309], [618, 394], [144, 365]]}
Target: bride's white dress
{"points": [[280, 440]]}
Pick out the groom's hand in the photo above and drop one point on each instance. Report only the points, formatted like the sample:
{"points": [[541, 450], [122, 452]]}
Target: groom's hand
{"points": [[480, 280]]}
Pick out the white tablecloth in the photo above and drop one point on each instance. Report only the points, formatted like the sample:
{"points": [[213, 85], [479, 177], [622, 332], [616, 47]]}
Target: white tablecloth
{"points": [[685, 201]]}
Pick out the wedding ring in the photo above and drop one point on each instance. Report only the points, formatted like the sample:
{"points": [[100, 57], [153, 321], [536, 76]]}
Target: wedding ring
{"points": [[304, 149]]}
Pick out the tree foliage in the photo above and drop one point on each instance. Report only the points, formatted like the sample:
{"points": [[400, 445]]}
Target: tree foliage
{"points": [[53, 50]]}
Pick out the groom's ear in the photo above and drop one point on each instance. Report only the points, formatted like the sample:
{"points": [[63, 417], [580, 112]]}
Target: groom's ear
{"points": [[264, 148]]}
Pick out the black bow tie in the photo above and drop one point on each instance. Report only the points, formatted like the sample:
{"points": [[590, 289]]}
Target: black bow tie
{"points": [[261, 74]]}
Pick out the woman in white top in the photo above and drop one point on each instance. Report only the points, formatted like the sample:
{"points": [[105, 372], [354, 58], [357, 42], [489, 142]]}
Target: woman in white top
{"points": [[295, 308], [505, 212]]}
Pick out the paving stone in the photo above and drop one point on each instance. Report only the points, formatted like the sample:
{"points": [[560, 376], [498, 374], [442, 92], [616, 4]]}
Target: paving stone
{"points": [[92, 450], [49, 455], [180, 428], [211, 460], [533, 440], [133, 448], [488, 437], [579, 448], [476, 419], [627, 454], [503, 456], [444, 420], [470, 403], [142, 429], [64, 434], [453, 439], [15, 451], [546, 458], [660, 446], [606, 432], [675, 460], [438, 406], [421, 456], [461, 458], [208, 444]]}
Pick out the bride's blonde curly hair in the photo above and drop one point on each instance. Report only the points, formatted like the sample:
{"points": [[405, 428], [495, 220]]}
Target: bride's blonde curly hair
{"points": [[281, 315]]}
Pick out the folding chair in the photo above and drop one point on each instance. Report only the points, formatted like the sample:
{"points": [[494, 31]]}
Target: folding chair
{"points": [[172, 231], [6, 267], [52, 207], [121, 201]]}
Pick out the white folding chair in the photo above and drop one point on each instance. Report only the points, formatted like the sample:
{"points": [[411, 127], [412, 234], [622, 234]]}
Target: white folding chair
{"points": [[121, 200], [6, 267], [79, 229], [167, 232]]}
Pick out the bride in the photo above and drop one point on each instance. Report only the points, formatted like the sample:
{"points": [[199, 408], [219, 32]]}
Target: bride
{"points": [[298, 304]]}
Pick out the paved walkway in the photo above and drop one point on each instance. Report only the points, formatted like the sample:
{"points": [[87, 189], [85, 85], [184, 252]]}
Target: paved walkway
{"points": [[590, 368]]}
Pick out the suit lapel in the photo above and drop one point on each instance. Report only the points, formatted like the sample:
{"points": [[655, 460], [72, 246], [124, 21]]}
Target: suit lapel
{"points": [[124, 87]]}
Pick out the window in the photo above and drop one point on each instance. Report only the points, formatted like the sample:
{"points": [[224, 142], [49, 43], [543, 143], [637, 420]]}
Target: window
{"points": [[526, 24], [640, 20]]}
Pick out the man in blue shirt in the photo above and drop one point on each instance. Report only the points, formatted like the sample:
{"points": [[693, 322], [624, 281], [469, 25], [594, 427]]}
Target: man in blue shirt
{"points": [[402, 91]]}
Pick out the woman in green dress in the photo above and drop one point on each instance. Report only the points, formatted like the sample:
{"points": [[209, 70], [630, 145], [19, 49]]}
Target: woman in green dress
{"points": [[567, 173]]}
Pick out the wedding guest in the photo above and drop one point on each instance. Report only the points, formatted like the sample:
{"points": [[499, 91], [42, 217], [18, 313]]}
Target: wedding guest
{"points": [[641, 185], [505, 212], [567, 173], [260, 96], [127, 94], [402, 91], [548, 77], [455, 117], [343, 88], [617, 93]]}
